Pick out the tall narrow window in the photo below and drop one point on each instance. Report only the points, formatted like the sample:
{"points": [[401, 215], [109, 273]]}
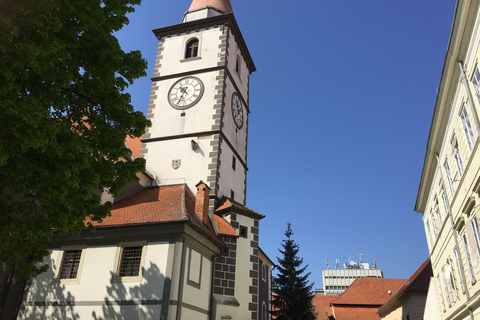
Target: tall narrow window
{"points": [[476, 233], [438, 215], [451, 281], [476, 82], [70, 264], [467, 127], [459, 266], [427, 223], [237, 65], [130, 262], [469, 258], [445, 200], [458, 159], [447, 287], [192, 49], [449, 178], [234, 163]]}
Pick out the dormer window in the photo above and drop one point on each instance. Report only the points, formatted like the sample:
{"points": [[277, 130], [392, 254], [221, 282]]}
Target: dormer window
{"points": [[192, 49]]}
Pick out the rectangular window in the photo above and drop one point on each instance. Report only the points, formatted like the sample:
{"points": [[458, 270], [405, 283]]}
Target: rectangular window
{"points": [[445, 200], [469, 258], [234, 163], [264, 272], [459, 266], [467, 127], [476, 82], [243, 231], [458, 159], [70, 264], [130, 262], [449, 178], [438, 216], [476, 233]]}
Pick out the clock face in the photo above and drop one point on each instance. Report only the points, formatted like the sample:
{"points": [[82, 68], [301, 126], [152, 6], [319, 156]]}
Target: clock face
{"points": [[185, 93], [237, 111]]}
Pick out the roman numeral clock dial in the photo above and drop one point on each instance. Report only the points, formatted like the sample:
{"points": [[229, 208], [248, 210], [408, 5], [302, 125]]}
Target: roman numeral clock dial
{"points": [[185, 93], [237, 111]]}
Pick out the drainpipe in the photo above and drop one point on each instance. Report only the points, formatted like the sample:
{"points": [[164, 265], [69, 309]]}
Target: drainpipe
{"points": [[470, 97]]}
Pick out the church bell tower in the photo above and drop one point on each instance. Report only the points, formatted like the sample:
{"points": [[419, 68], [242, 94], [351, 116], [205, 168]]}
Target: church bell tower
{"points": [[199, 104]]}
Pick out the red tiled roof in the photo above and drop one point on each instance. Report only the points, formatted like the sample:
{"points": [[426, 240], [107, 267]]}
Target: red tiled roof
{"points": [[322, 305], [227, 205], [166, 204], [418, 282], [134, 144], [223, 227], [354, 313], [368, 292]]}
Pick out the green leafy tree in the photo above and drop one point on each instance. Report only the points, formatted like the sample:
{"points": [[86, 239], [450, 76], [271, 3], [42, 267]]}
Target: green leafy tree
{"points": [[64, 116], [293, 294]]}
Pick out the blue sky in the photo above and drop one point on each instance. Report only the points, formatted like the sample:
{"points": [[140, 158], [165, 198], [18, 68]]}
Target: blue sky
{"points": [[341, 105]]}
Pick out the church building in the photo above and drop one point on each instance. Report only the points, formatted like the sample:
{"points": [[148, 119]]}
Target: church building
{"points": [[180, 243]]}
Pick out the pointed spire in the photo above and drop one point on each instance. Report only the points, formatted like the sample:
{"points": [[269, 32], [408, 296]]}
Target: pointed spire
{"points": [[222, 5]]}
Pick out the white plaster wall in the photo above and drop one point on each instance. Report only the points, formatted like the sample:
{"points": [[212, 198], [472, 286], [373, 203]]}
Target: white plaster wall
{"points": [[199, 297], [242, 79], [237, 137], [231, 179], [168, 121], [443, 244], [243, 267], [94, 286], [431, 305], [194, 163], [173, 61]]}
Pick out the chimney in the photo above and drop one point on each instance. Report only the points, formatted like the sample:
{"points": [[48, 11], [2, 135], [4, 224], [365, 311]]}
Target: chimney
{"points": [[202, 202]]}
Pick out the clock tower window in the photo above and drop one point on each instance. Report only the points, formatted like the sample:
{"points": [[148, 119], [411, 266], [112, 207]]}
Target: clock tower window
{"points": [[237, 66], [192, 49]]}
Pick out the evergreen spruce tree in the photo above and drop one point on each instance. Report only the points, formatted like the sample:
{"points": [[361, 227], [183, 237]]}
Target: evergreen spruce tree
{"points": [[292, 292]]}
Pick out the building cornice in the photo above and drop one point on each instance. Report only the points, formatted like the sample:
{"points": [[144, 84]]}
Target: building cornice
{"points": [[227, 18]]}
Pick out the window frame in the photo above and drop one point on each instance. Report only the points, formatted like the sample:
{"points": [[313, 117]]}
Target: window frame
{"points": [[62, 254], [467, 127], [468, 256], [122, 246], [449, 178], [196, 49]]}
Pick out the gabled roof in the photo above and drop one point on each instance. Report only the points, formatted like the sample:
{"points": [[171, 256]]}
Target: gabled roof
{"points": [[223, 227], [228, 205], [369, 292], [418, 282], [157, 205]]}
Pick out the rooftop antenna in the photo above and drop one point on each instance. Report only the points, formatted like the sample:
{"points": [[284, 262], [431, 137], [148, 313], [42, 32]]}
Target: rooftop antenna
{"points": [[361, 258], [374, 264], [327, 264], [337, 266]]}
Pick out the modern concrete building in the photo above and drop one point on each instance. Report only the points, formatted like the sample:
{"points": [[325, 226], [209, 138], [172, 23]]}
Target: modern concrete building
{"points": [[174, 247], [336, 281], [448, 194]]}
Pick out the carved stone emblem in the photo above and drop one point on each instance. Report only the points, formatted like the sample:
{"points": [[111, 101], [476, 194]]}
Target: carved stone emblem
{"points": [[176, 163]]}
